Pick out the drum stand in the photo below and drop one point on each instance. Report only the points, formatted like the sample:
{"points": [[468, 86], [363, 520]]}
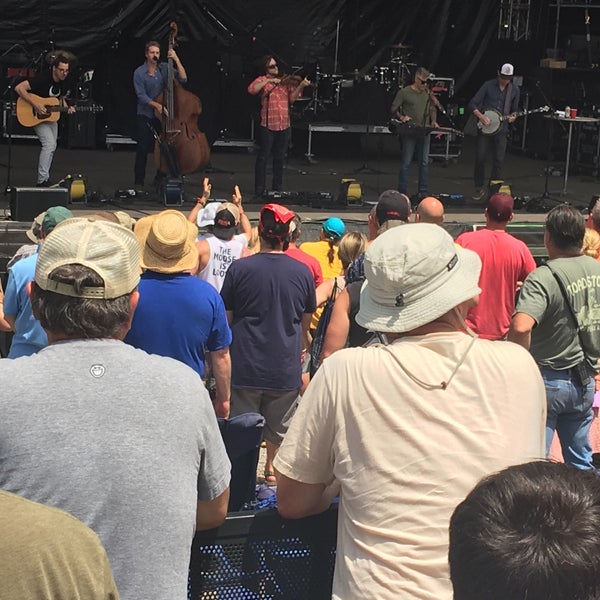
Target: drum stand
{"points": [[315, 105]]}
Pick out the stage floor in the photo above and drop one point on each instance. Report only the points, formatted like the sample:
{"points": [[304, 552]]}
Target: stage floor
{"points": [[335, 156]]}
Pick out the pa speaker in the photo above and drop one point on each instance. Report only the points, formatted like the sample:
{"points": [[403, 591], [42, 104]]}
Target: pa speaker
{"points": [[26, 203]]}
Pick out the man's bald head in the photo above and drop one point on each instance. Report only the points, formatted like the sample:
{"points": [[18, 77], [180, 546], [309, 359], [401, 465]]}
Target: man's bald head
{"points": [[430, 210]]}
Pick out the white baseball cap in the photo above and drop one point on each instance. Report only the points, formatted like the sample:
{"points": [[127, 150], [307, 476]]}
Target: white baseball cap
{"points": [[206, 216], [507, 70]]}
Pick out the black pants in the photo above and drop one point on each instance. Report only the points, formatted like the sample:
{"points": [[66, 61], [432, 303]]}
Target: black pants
{"points": [[145, 143], [486, 143]]}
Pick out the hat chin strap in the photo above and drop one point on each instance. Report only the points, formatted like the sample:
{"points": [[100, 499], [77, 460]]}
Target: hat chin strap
{"points": [[443, 385], [463, 322]]}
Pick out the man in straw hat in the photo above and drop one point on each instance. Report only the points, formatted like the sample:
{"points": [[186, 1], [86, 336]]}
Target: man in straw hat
{"points": [[406, 428], [125, 441], [179, 315]]}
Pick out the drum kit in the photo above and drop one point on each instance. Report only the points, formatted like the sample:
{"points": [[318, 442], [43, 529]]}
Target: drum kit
{"points": [[329, 89]]}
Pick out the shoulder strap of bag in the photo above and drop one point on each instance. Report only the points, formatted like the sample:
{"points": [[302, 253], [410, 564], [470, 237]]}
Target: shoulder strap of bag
{"points": [[563, 291]]}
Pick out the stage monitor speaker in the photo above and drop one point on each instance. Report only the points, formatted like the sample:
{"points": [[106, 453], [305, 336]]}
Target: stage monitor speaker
{"points": [[26, 203]]}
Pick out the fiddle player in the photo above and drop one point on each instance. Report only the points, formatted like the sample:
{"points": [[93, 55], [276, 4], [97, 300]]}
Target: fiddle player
{"points": [[48, 83], [276, 95], [413, 106], [502, 95], [149, 80]]}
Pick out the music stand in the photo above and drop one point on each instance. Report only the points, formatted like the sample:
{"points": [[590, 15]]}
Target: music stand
{"points": [[365, 168]]}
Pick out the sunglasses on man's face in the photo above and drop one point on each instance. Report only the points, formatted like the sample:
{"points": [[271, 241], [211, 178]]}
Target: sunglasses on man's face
{"points": [[272, 66], [423, 81]]}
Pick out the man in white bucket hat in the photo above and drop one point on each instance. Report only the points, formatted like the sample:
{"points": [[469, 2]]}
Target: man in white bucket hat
{"points": [[404, 429]]}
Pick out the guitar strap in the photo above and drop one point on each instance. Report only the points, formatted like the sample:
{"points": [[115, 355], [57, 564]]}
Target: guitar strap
{"points": [[507, 99]]}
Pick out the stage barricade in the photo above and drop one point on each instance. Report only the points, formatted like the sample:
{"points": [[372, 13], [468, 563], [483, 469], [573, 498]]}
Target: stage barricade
{"points": [[260, 555]]}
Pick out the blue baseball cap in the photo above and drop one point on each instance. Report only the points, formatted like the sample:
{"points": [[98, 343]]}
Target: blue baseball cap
{"points": [[334, 227]]}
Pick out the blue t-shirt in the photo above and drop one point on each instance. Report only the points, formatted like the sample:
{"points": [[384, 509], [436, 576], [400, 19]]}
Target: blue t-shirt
{"points": [[268, 294], [180, 316], [29, 336]]}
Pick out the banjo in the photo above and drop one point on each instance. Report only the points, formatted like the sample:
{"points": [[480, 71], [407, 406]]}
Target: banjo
{"points": [[496, 118]]}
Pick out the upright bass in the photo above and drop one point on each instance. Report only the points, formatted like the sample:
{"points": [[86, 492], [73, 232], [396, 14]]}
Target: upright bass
{"points": [[181, 148]]}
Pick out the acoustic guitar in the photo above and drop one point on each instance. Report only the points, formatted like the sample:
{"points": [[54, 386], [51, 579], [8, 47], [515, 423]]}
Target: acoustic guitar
{"points": [[497, 118], [29, 118]]}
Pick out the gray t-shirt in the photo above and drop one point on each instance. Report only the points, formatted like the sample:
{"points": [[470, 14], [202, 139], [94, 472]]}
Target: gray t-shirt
{"points": [[554, 339], [125, 441]]}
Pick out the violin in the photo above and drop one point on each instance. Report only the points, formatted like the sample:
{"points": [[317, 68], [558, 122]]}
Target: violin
{"points": [[292, 80]]}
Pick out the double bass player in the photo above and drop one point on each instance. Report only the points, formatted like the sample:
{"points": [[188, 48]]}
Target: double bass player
{"points": [[149, 80]]}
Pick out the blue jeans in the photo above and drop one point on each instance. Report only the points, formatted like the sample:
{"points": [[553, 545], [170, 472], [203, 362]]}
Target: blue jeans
{"points": [[273, 143], [570, 414], [410, 144], [47, 132]]}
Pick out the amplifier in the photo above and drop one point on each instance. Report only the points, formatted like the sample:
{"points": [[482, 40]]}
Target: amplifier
{"points": [[12, 127], [26, 203]]}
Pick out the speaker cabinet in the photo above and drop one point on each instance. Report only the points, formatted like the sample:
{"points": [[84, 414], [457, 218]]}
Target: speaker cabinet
{"points": [[78, 130], [26, 203], [12, 127]]}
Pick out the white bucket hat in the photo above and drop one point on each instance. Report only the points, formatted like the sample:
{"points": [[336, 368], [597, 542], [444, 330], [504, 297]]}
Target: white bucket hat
{"points": [[415, 274]]}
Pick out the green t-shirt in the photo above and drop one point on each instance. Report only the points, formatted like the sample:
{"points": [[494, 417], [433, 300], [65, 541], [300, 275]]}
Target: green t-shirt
{"points": [[413, 103], [554, 339]]}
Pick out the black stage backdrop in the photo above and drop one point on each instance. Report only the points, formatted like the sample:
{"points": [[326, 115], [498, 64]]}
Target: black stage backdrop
{"points": [[219, 41]]}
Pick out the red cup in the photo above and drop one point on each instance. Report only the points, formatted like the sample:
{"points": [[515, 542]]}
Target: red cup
{"points": [[573, 113]]}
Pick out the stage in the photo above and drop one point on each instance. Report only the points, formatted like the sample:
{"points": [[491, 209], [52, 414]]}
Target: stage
{"points": [[372, 160]]}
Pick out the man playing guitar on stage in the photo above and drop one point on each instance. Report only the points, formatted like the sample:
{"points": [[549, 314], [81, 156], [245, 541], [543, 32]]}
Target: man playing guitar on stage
{"points": [[47, 84], [501, 95], [414, 107]]}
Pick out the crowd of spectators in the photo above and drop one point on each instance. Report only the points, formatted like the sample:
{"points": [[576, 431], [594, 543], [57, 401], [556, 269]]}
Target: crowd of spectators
{"points": [[446, 368]]}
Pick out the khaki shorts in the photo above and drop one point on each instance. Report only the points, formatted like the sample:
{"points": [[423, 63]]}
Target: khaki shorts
{"points": [[277, 407]]}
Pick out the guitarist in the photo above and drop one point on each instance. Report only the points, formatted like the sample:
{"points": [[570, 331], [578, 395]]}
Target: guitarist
{"points": [[414, 107], [501, 94], [49, 83]]}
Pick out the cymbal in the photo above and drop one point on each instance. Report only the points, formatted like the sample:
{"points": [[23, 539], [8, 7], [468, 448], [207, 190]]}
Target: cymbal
{"points": [[400, 46], [54, 53]]}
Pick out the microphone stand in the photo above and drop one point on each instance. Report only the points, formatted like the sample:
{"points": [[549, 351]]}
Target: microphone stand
{"points": [[7, 95]]}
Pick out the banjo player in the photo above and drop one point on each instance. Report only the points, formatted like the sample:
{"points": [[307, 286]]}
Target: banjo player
{"points": [[499, 94]]}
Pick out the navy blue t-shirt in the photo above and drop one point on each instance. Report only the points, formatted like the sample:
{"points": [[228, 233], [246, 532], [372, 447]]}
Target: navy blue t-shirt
{"points": [[268, 294], [180, 316]]}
